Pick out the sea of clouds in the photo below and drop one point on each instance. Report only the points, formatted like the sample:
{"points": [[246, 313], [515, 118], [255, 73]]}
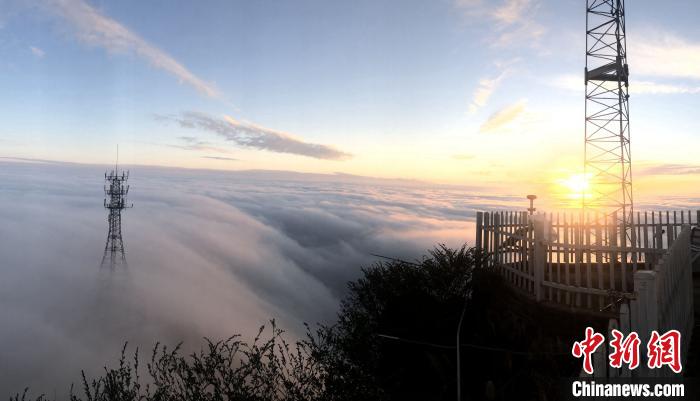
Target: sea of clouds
{"points": [[210, 253]]}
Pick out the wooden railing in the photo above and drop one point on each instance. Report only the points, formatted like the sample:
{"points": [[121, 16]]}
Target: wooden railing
{"points": [[574, 260], [643, 283], [507, 238], [662, 301], [664, 295], [695, 245]]}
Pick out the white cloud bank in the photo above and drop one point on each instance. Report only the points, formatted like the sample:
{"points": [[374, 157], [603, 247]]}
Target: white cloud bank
{"points": [[210, 254]]}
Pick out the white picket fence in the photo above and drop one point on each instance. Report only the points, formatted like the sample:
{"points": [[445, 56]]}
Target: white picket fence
{"points": [[662, 301], [585, 265], [576, 261]]}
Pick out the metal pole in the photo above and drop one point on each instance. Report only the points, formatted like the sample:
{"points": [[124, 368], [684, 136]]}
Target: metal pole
{"points": [[532, 208], [459, 346]]}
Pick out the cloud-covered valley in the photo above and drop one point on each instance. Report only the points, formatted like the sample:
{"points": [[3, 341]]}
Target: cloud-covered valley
{"points": [[210, 254]]}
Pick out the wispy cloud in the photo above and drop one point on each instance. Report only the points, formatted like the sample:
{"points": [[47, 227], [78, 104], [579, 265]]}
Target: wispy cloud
{"points": [[654, 88], [525, 31], [463, 156], [511, 11], [254, 136], [193, 143], [668, 169], [575, 84], [484, 91], [229, 159], [663, 54], [505, 23], [37, 52], [513, 21], [504, 117], [94, 28]]}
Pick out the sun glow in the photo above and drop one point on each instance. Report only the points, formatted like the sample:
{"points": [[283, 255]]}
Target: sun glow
{"points": [[572, 189], [577, 184]]}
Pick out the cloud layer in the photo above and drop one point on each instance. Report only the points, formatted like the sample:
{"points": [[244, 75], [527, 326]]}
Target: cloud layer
{"points": [[254, 136], [210, 254], [94, 28]]}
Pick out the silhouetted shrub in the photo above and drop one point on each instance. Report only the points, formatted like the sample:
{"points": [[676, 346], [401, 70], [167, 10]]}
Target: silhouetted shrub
{"points": [[397, 326], [268, 369]]}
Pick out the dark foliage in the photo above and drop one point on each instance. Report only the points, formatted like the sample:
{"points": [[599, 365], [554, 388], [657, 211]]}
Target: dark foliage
{"points": [[512, 348], [419, 301], [268, 369]]}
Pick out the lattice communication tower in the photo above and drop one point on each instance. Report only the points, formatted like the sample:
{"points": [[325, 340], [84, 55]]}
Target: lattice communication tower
{"points": [[116, 190], [607, 157]]}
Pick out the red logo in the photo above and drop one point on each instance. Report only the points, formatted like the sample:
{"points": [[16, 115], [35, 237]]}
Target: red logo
{"points": [[661, 350], [586, 347], [624, 350], [665, 350]]}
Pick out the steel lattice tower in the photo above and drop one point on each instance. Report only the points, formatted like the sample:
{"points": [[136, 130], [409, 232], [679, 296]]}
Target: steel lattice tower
{"points": [[116, 190], [607, 157]]}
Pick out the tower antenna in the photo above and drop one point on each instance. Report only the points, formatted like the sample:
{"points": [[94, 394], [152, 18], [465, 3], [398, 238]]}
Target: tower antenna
{"points": [[116, 191], [607, 156]]}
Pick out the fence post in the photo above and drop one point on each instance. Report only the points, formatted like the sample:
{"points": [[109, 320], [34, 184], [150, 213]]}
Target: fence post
{"points": [[691, 289], [540, 256], [645, 314], [659, 237], [497, 242], [600, 361], [685, 295], [614, 230], [625, 329], [612, 325], [479, 237]]}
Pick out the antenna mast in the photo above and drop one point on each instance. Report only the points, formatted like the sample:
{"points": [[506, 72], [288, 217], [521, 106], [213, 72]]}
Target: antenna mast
{"points": [[607, 157], [116, 190]]}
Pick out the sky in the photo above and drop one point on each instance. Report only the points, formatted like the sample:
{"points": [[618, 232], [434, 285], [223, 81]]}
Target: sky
{"points": [[449, 91]]}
